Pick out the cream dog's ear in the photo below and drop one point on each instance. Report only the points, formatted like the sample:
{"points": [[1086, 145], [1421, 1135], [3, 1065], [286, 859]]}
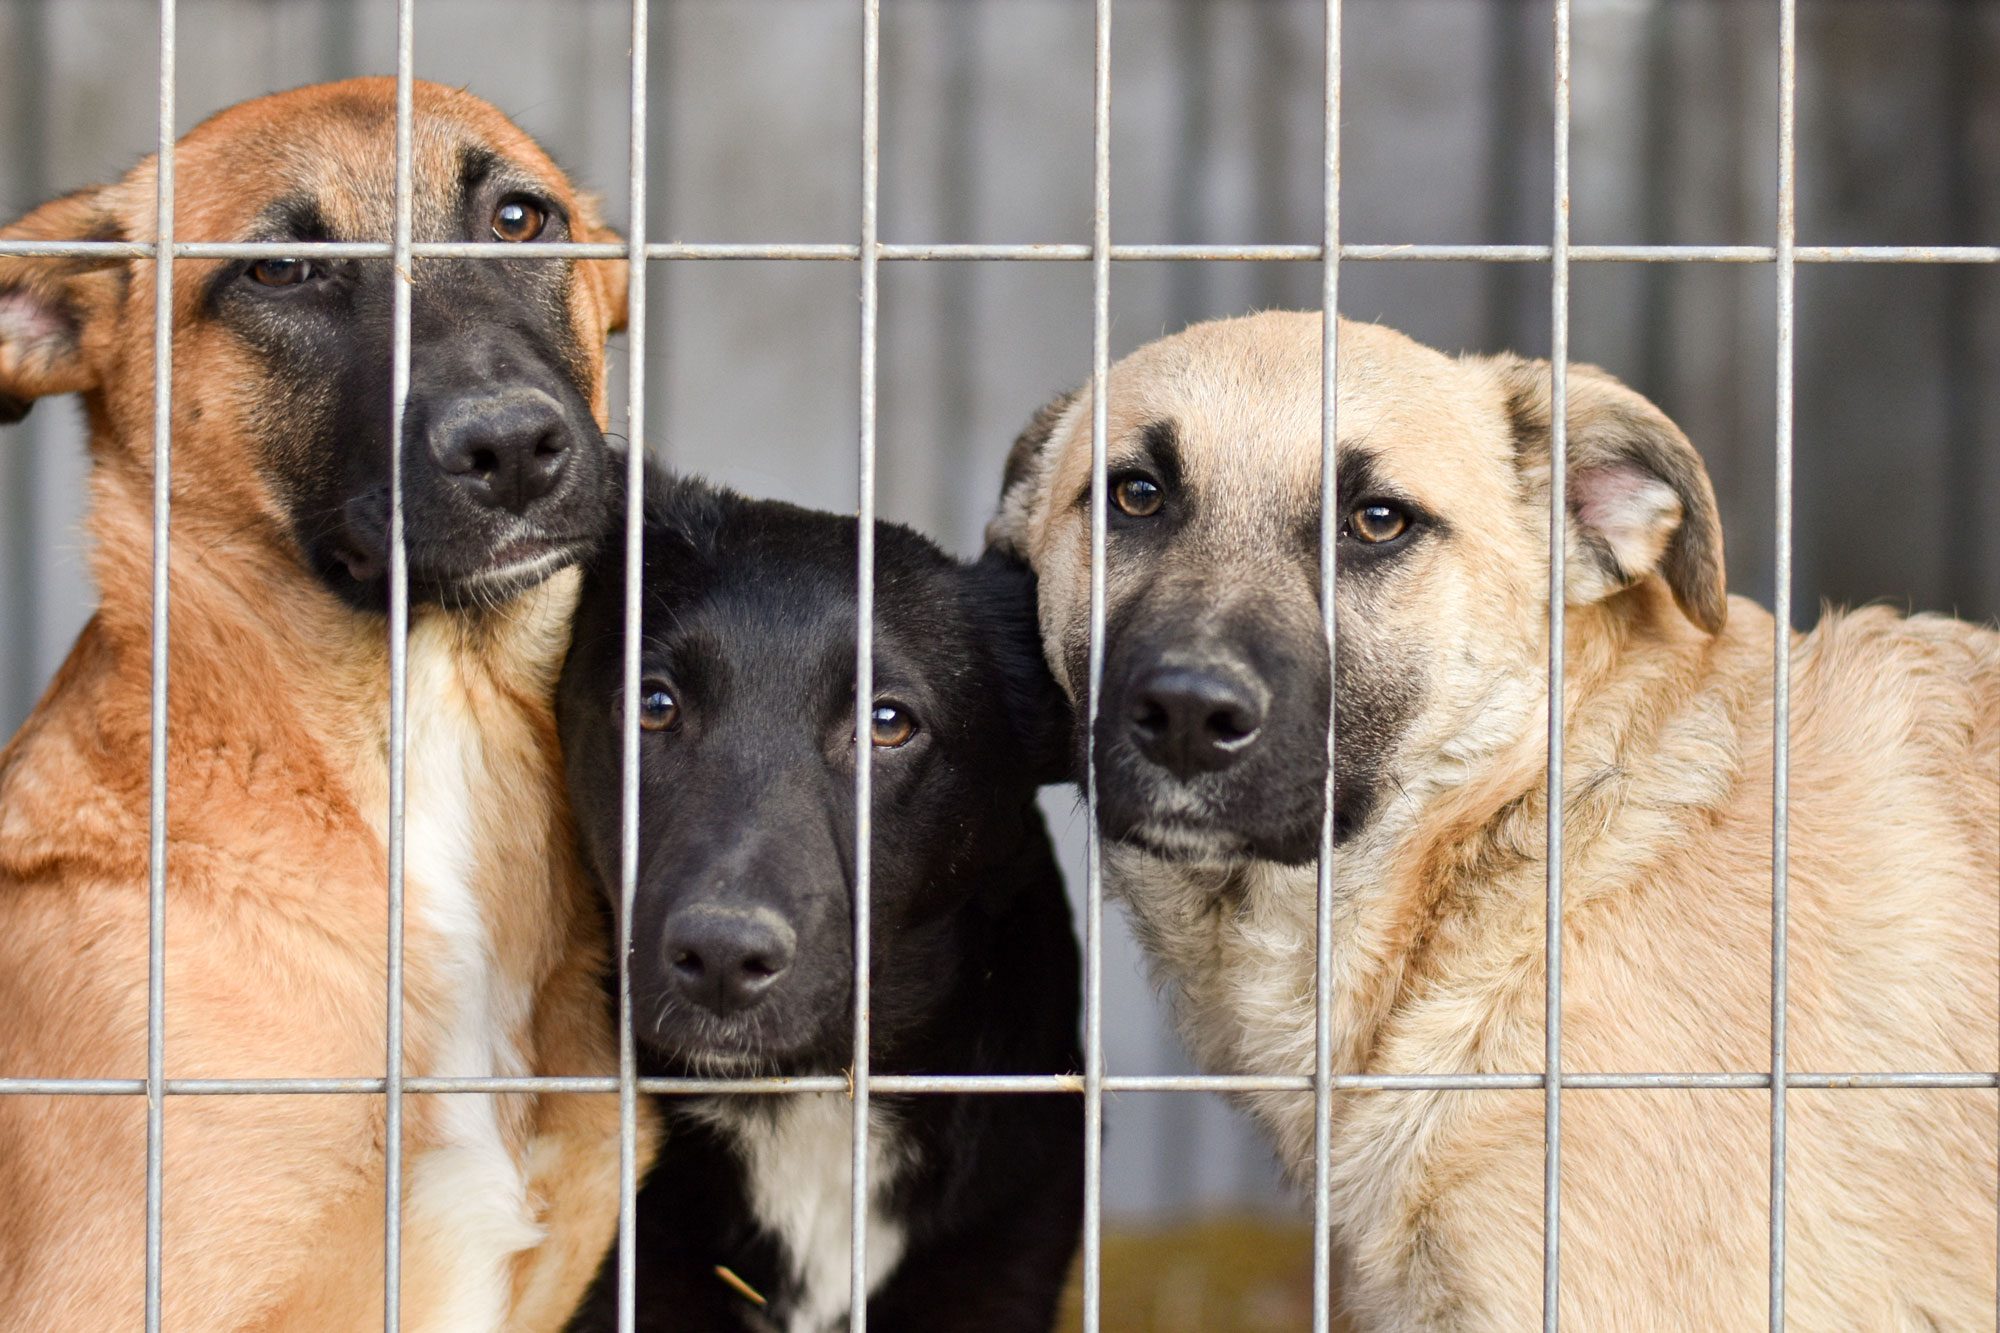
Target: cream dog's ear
{"points": [[47, 304], [1020, 483], [1639, 499]]}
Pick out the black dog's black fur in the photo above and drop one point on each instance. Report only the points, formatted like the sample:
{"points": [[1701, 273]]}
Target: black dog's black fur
{"points": [[746, 805]]}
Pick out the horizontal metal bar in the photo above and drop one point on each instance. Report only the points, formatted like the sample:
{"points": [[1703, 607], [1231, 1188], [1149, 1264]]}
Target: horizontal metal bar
{"points": [[986, 1084], [74, 250], [983, 1084], [1897, 254], [1296, 254], [1031, 250], [678, 250], [670, 251], [1208, 1083]]}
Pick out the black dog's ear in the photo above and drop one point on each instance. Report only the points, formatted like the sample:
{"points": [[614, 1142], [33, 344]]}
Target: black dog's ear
{"points": [[1640, 502], [678, 517], [46, 304], [1019, 482], [1003, 603], [667, 500]]}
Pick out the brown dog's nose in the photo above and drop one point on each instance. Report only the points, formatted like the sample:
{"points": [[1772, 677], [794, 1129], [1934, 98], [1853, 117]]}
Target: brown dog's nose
{"points": [[505, 450], [1192, 720], [726, 958]]}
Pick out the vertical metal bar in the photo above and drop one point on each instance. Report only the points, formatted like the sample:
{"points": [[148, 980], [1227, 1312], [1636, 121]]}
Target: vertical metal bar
{"points": [[954, 333], [864, 640], [1781, 648], [1193, 138], [628, 775], [1508, 36], [1558, 516], [156, 852], [1965, 533], [399, 651], [1093, 914], [1329, 527], [21, 520]]}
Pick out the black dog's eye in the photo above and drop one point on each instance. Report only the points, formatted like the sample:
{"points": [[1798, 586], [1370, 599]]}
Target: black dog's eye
{"points": [[283, 272], [1377, 522], [519, 219], [658, 710], [1137, 495], [892, 725]]}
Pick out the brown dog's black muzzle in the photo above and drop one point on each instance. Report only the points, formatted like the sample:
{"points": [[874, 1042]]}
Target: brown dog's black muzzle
{"points": [[505, 472], [501, 450]]}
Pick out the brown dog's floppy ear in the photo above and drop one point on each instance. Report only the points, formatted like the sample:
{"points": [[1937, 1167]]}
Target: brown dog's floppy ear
{"points": [[1639, 499], [1008, 531], [613, 275], [45, 304]]}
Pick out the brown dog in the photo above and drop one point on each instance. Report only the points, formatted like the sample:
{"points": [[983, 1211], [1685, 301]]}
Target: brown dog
{"points": [[1210, 774], [277, 741]]}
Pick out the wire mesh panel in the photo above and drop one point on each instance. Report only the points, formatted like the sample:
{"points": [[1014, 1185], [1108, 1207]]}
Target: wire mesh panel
{"points": [[867, 253]]}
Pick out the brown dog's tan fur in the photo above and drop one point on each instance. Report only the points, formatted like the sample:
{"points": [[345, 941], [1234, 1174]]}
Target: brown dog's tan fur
{"points": [[1894, 868], [276, 911]]}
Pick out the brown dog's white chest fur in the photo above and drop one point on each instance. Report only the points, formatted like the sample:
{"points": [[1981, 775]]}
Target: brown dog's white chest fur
{"points": [[276, 951], [475, 802], [487, 874]]}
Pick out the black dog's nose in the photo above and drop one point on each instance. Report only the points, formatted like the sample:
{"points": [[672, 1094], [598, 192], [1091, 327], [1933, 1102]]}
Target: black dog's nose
{"points": [[1193, 720], [505, 450], [726, 958]]}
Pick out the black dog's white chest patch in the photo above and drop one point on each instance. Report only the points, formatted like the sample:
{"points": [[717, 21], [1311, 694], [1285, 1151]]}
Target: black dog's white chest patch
{"points": [[797, 1164]]}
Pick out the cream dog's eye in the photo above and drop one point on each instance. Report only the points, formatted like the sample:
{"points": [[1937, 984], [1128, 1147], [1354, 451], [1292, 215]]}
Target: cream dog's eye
{"points": [[1138, 495], [1377, 523]]}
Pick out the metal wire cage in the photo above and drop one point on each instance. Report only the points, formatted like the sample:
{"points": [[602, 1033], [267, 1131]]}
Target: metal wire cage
{"points": [[867, 252]]}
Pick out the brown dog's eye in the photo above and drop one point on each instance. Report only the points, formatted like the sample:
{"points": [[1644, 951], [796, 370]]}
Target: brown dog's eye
{"points": [[1378, 523], [892, 726], [658, 710], [282, 272], [519, 220], [1138, 495]]}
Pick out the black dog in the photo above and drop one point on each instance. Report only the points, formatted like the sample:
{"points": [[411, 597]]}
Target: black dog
{"points": [[742, 924]]}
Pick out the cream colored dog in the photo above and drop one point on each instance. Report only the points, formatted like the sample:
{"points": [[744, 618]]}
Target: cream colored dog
{"points": [[1210, 771]]}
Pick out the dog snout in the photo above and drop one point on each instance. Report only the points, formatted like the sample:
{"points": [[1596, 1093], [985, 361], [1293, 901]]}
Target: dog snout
{"points": [[726, 959], [1192, 719], [503, 451]]}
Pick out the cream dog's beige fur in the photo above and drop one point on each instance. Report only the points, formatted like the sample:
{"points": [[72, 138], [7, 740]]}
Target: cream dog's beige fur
{"points": [[1439, 913]]}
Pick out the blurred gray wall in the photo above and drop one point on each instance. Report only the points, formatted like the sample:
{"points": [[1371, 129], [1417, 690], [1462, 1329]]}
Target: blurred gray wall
{"points": [[751, 373]]}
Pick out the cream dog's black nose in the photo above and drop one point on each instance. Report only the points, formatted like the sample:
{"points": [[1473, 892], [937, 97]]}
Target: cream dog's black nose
{"points": [[1192, 720], [504, 451], [726, 959]]}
